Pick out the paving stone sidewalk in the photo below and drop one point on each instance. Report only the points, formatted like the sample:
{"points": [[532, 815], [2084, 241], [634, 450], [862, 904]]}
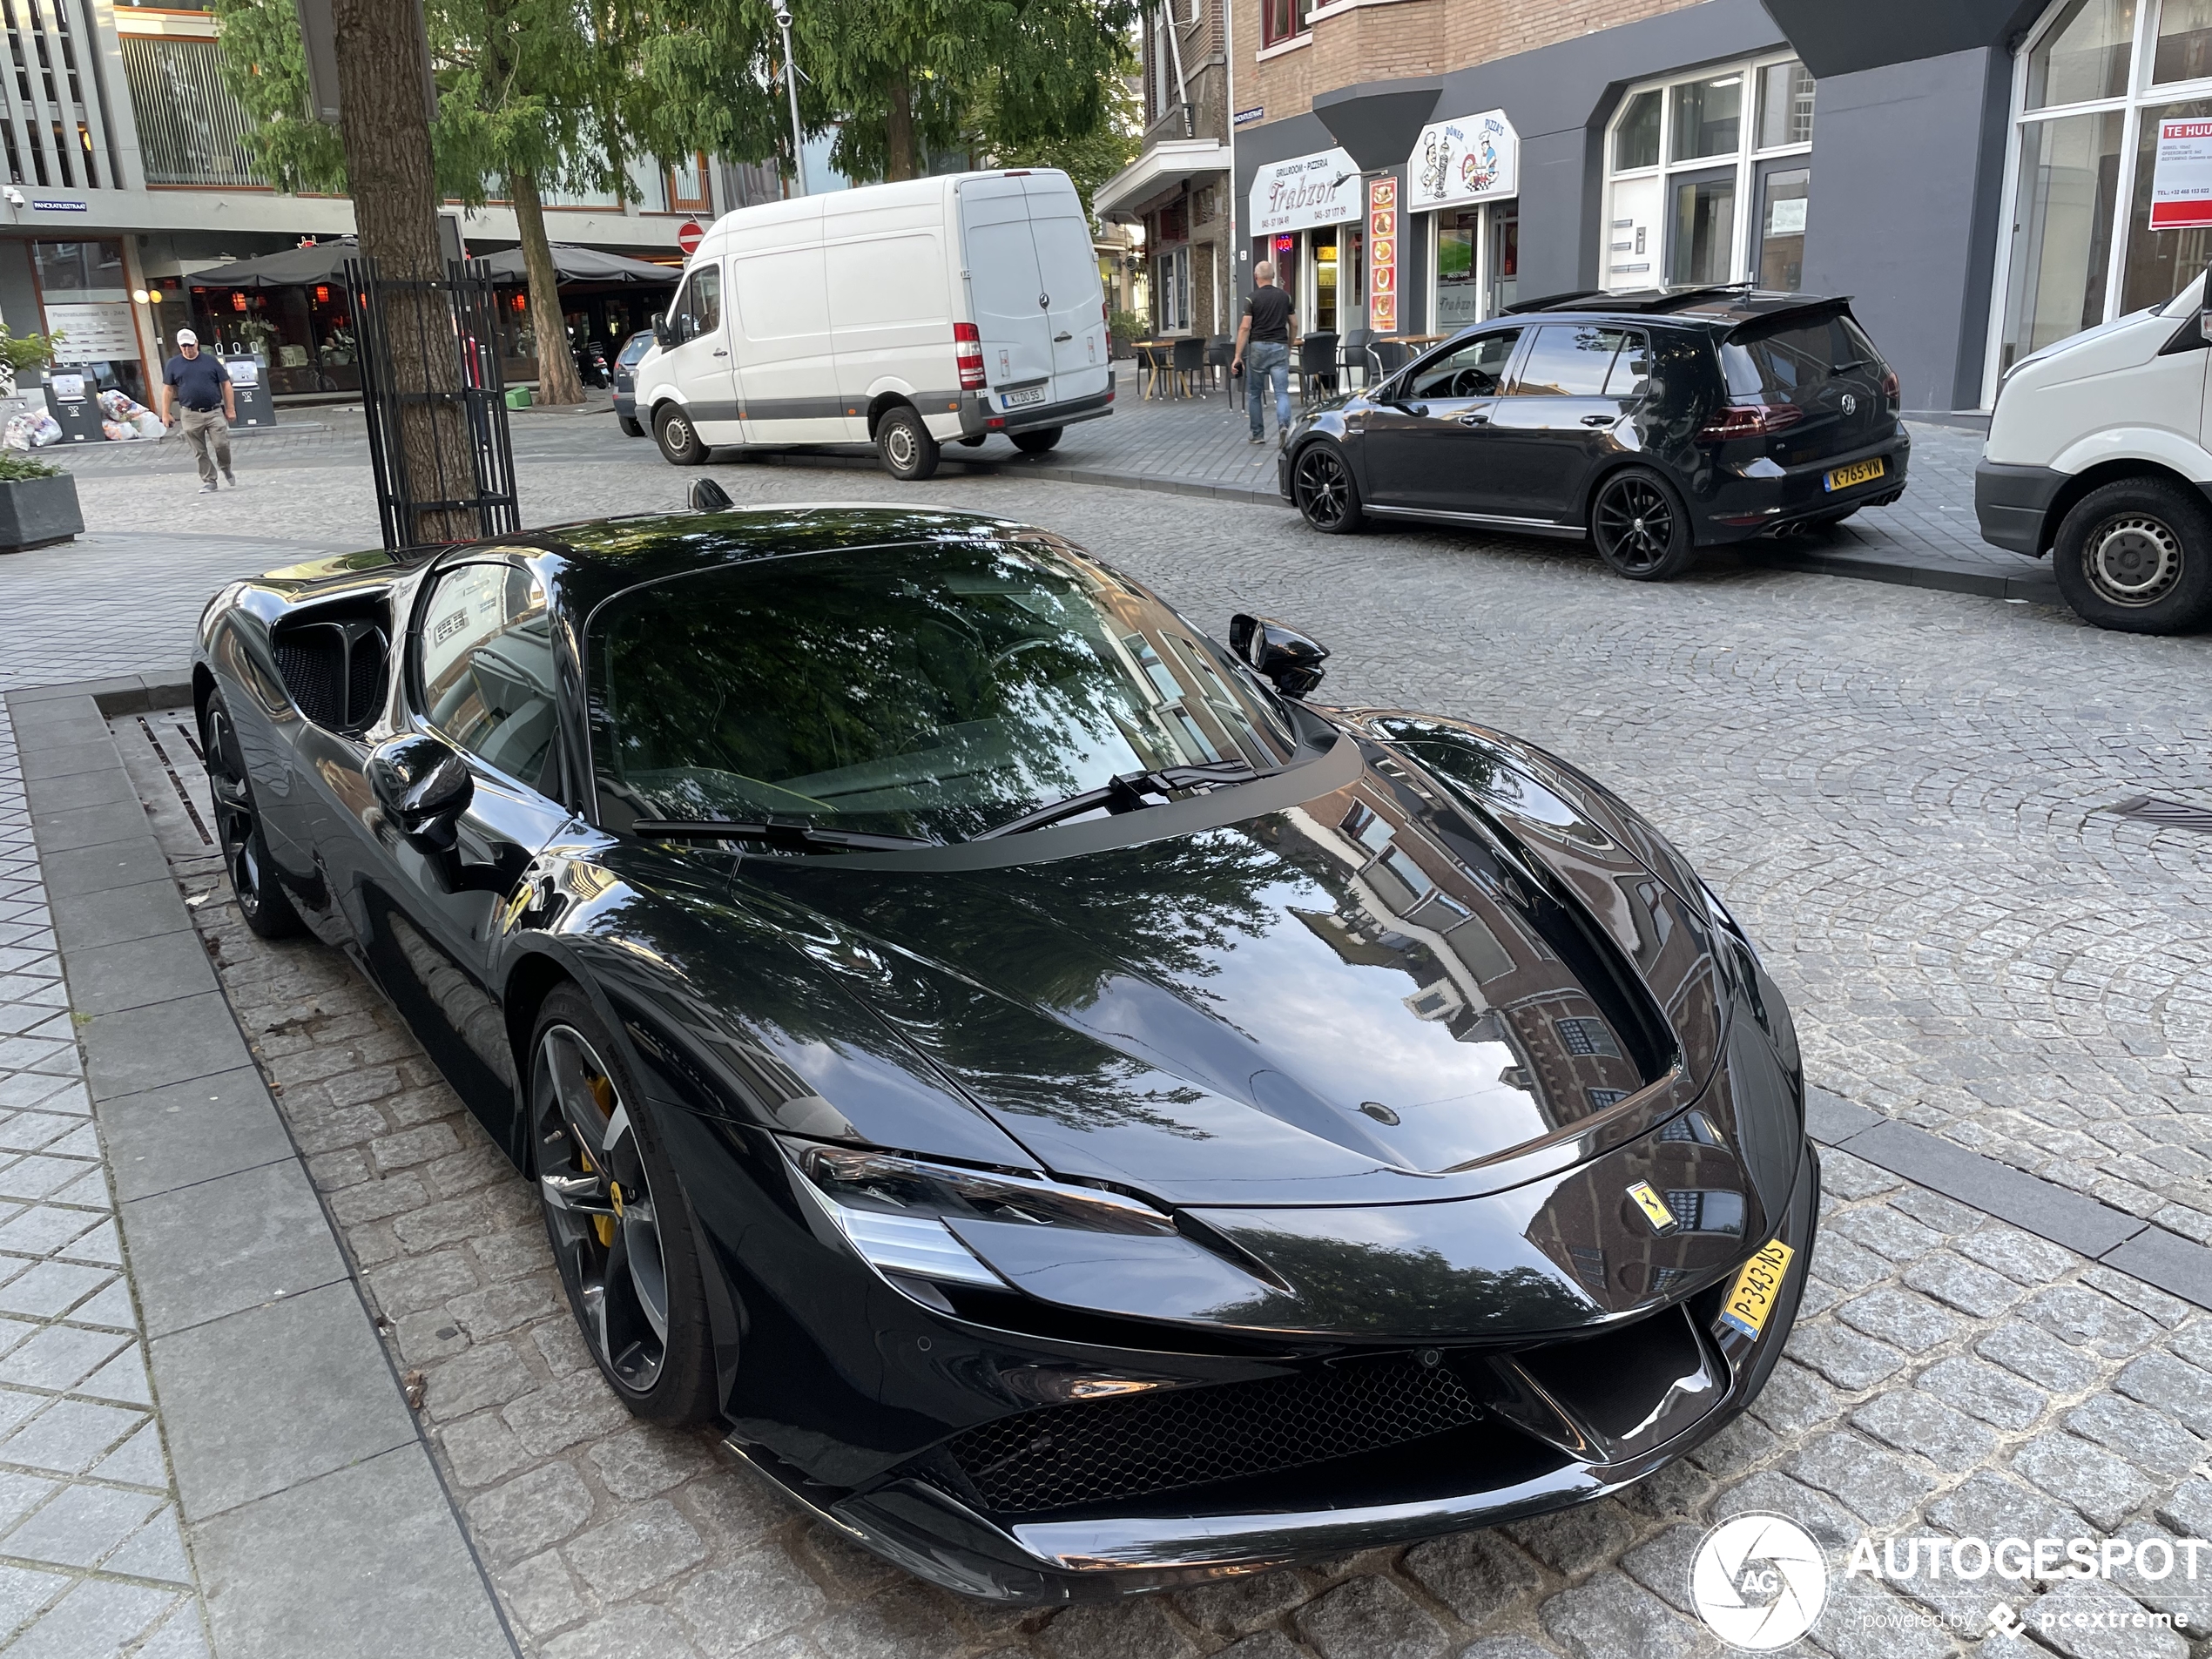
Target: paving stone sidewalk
{"points": [[92, 1559]]}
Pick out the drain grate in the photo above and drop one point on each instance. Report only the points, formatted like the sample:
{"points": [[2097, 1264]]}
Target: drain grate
{"points": [[2177, 814]]}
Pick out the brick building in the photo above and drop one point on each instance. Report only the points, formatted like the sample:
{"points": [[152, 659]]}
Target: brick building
{"points": [[1978, 174], [1179, 187]]}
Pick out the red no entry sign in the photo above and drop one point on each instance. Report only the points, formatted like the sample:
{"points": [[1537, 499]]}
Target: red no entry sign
{"points": [[688, 236]]}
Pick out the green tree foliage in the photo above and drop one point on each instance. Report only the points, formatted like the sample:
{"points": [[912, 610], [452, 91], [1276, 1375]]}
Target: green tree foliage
{"points": [[266, 70], [906, 77], [1090, 158]]}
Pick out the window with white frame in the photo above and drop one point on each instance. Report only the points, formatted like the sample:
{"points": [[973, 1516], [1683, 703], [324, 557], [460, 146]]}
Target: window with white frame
{"points": [[2090, 84], [1706, 178], [1172, 286]]}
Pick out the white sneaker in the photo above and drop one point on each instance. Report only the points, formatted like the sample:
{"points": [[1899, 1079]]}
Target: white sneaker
{"points": [[207, 489], [230, 478]]}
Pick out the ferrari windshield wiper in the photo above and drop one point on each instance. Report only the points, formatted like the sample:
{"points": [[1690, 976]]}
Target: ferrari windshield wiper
{"points": [[1127, 794], [798, 838]]}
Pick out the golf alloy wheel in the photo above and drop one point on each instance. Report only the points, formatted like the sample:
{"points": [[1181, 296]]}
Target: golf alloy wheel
{"points": [[599, 1208], [2133, 559], [1321, 485], [1640, 531]]}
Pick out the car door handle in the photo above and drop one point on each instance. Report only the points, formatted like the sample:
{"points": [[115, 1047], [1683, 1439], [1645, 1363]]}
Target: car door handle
{"points": [[721, 351], [1062, 339], [1471, 418], [1598, 420]]}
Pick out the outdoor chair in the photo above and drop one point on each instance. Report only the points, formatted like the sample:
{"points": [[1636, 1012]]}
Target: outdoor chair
{"points": [[1352, 359], [1317, 365], [1220, 353], [1390, 356], [1189, 364], [1152, 361]]}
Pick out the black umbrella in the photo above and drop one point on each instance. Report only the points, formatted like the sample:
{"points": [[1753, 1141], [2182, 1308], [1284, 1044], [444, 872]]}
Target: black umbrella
{"points": [[573, 263], [291, 268]]}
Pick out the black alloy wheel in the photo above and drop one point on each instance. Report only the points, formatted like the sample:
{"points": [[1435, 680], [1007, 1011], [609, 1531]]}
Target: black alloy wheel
{"points": [[261, 899], [1641, 527], [679, 438], [620, 1229], [904, 445], [1321, 484], [1039, 442], [629, 427], [2136, 557]]}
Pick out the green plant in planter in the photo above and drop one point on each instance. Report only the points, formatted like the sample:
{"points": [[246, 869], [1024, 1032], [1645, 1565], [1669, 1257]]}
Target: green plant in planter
{"points": [[19, 352], [1127, 324], [16, 469]]}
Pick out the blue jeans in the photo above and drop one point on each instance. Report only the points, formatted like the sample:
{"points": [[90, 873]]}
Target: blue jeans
{"points": [[1265, 360]]}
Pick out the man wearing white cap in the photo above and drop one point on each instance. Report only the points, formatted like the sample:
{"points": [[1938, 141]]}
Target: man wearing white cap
{"points": [[203, 388]]}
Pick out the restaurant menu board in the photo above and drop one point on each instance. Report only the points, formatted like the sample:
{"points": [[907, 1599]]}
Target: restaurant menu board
{"points": [[70, 399], [250, 390], [2181, 181], [1382, 256]]}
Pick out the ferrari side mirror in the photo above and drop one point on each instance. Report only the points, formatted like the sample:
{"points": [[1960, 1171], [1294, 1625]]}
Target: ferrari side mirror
{"points": [[423, 787], [1278, 653]]}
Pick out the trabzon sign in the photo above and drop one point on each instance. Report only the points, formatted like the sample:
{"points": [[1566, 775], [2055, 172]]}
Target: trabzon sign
{"points": [[1305, 191]]}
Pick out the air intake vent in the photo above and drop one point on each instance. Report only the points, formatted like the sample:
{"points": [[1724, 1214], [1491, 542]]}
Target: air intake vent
{"points": [[1102, 1450]]}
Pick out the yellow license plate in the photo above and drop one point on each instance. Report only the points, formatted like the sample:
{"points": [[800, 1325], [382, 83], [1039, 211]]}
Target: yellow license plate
{"points": [[1753, 1295], [1857, 473]]}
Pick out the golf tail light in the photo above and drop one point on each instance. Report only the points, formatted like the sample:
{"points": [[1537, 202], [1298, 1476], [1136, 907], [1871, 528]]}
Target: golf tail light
{"points": [[1892, 394], [968, 350], [894, 1209], [1749, 420]]}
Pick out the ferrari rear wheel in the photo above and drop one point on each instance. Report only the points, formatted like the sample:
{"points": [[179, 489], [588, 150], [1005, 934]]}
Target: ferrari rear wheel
{"points": [[261, 899], [617, 1218]]}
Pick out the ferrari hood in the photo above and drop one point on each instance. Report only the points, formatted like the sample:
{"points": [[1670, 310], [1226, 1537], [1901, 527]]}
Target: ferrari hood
{"points": [[1406, 988]]}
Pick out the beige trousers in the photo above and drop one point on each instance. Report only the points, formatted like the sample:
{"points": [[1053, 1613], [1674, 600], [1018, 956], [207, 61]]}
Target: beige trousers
{"points": [[209, 433]]}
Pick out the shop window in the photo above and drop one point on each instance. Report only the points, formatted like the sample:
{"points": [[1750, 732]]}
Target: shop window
{"points": [[1324, 279], [2184, 48], [1708, 117], [1458, 295], [2159, 263], [1505, 257], [1636, 141], [2062, 248], [1282, 20], [2083, 55], [1704, 234], [1781, 230], [1171, 271], [1785, 105]]}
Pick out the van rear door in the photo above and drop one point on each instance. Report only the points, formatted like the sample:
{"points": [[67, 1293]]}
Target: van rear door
{"points": [[1068, 269], [1005, 292]]}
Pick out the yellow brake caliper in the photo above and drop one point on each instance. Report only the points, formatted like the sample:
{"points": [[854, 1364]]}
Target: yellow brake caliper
{"points": [[602, 1091]]}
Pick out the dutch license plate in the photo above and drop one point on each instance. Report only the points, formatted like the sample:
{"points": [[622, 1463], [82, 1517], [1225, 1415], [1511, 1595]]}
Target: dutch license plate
{"points": [[1752, 1297], [1026, 396], [1857, 473]]}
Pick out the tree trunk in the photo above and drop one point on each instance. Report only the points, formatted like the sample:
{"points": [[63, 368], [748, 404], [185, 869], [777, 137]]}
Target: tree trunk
{"points": [[556, 376], [899, 129], [386, 136]]}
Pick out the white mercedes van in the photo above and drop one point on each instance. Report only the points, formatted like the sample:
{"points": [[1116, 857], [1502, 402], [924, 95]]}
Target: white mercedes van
{"points": [[2098, 456], [904, 315]]}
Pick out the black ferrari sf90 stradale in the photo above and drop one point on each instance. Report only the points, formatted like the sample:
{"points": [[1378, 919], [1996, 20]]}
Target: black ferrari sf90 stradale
{"points": [[1073, 1109]]}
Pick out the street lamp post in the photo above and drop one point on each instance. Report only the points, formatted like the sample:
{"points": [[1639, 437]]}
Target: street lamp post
{"points": [[791, 85]]}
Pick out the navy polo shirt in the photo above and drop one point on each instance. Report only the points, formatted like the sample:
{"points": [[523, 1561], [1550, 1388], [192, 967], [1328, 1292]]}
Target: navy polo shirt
{"points": [[199, 381]]}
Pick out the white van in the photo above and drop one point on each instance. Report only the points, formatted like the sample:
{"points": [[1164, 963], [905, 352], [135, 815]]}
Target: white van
{"points": [[903, 315], [2099, 454]]}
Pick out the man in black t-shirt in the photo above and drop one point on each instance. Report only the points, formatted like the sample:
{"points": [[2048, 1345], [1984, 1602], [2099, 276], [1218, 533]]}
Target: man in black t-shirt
{"points": [[203, 386], [1264, 346]]}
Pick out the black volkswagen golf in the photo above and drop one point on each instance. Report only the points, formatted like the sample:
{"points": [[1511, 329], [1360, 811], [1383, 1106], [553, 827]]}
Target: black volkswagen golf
{"points": [[1653, 423]]}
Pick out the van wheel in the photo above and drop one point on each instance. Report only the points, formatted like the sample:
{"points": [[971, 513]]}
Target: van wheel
{"points": [[629, 427], [909, 454], [2136, 557], [1037, 442], [679, 438], [1641, 527]]}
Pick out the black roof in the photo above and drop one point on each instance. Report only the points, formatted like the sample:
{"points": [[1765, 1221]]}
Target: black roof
{"points": [[1726, 305]]}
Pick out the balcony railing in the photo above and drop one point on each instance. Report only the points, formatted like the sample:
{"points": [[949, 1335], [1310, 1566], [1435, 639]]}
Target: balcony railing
{"points": [[192, 130]]}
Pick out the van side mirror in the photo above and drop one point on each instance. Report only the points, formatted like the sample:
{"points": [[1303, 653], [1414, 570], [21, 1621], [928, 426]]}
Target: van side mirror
{"points": [[2204, 307], [423, 787], [1279, 654], [661, 337]]}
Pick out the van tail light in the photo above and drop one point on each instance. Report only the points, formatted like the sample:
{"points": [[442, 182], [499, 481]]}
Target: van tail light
{"points": [[967, 348], [1892, 394], [1748, 421]]}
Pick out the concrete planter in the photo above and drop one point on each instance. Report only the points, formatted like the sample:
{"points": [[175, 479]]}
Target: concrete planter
{"points": [[34, 512]]}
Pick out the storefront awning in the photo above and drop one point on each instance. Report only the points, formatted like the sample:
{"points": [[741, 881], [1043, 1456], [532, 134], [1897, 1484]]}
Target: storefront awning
{"points": [[574, 264], [1159, 170], [325, 262]]}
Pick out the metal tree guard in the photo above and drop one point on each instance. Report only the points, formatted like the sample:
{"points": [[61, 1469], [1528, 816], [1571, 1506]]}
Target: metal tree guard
{"points": [[423, 319]]}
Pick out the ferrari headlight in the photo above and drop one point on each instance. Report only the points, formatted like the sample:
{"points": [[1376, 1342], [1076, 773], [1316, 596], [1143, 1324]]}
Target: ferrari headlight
{"points": [[893, 1209]]}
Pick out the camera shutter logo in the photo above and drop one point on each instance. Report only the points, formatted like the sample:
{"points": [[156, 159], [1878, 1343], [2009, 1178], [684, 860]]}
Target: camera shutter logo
{"points": [[1759, 1582]]}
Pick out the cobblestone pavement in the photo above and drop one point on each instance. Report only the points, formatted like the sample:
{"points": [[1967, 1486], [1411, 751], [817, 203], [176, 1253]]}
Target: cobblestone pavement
{"points": [[92, 1560]]}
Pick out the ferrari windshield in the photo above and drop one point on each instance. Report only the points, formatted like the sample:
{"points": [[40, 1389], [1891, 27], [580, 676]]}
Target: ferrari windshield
{"points": [[940, 691]]}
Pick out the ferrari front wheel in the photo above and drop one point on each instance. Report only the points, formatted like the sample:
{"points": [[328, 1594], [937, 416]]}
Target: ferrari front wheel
{"points": [[617, 1218], [262, 900]]}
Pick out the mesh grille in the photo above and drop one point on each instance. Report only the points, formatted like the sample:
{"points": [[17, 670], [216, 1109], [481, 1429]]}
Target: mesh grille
{"points": [[365, 675], [1098, 1451], [313, 671]]}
